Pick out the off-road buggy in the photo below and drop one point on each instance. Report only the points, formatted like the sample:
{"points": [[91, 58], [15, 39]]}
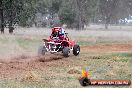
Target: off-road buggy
{"points": [[59, 43]]}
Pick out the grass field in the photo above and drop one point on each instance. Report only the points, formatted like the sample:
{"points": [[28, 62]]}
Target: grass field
{"points": [[105, 54]]}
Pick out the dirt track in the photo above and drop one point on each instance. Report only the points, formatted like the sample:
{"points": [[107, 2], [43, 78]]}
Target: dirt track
{"points": [[13, 67], [109, 48]]}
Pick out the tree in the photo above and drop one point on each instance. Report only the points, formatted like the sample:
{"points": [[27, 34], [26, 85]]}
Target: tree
{"points": [[1, 16], [67, 14], [11, 13], [27, 12], [77, 13], [73, 13], [107, 9]]}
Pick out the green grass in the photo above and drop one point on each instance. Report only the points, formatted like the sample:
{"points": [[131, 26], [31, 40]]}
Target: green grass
{"points": [[127, 55], [123, 56], [43, 83], [19, 84], [118, 63], [10, 84]]}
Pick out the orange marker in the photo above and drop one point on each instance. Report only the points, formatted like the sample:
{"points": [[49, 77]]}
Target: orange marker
{"points": [[84, 73]]}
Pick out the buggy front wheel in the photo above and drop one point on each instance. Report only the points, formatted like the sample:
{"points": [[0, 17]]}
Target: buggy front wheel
{"points": [[66, 51], [76, 50]]}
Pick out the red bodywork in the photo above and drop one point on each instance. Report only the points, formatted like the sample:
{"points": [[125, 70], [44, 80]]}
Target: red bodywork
{"points": [[65, 41], [56, 29]]}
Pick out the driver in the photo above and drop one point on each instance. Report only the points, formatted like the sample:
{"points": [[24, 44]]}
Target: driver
{"points": [[61, 34], [57, 33]]}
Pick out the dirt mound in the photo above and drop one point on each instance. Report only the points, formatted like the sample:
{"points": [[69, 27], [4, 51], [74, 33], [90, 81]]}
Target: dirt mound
{"points": [[30, 77]]}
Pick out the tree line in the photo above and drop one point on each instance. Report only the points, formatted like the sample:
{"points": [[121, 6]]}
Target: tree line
{"points": [[73, 13]]}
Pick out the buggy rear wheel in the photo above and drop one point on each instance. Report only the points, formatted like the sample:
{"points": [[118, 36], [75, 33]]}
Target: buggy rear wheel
{"points": [[76, 50], [41, 50]]}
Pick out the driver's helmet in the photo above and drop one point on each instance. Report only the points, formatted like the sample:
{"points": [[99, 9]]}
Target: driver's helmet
{"points": [[61, 32]]}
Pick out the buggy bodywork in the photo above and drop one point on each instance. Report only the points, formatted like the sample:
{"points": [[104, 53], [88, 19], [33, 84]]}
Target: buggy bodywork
{"points": [[54, 45]]}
